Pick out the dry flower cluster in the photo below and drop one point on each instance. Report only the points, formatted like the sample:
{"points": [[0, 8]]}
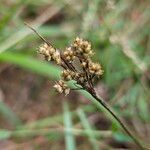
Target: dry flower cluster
{"points": [[80, 50]]}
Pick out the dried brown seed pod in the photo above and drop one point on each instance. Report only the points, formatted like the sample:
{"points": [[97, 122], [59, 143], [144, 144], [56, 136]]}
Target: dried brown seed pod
{"points": [[82, 47], [68, 75], [47, 51], [69, 54], [62, 87], [95, 69]]}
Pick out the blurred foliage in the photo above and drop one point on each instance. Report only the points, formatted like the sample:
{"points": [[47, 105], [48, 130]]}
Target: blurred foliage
{"points": [[119, 33]]}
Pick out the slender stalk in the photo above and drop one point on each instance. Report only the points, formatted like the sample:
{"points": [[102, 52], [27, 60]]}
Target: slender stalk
{"points": [[39, 35], [89, 87], [107, 107]]}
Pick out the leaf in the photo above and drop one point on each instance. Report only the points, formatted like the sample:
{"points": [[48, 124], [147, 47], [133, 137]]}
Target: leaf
{"points": [[88, 128], [69, 137], [30, 63]]}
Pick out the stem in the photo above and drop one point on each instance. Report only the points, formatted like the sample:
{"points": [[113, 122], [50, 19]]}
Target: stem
{"points": [[105, 105], [86, 74], [39, 35]]}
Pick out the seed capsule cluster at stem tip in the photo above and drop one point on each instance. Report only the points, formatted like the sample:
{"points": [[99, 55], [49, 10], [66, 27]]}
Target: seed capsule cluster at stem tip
{"points": [[50, 53], [80, 49], [69, 54]]}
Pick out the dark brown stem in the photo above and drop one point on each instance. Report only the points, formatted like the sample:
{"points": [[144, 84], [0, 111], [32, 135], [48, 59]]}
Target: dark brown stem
{"points": [[69, 65], [77, 89], [86, 74], [107, 107], [39, 35]]}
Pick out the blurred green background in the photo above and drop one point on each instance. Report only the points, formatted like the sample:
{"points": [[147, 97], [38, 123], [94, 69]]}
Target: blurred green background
{"points": [[33, 115]]}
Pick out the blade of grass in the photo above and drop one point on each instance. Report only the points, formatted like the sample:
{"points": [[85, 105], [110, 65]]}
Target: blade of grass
{"points": [[6, 134], [22, 33], [29, 63], [85, 123], [69, 138]]}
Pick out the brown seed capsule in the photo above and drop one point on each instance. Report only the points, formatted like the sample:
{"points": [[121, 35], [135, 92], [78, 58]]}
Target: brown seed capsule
{"points": [[62, 87], [68, 75], [56, 57], [82, 47], [69, 54], [84, 64], [50, 53], [47, 51], [95, 69]]}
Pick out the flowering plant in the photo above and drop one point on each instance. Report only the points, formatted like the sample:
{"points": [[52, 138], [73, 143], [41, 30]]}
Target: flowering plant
{"points": [[80, 50]]}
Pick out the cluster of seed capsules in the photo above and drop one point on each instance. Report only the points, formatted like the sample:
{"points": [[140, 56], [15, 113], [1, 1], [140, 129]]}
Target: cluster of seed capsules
{"points": [[79, 51]]}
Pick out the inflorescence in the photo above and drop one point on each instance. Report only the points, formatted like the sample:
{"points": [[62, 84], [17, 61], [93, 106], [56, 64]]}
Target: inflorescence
{"points": [[80, 50]]}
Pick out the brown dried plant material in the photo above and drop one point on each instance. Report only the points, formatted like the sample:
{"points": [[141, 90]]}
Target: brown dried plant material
{"points": [[61, 87], [80, 49]]}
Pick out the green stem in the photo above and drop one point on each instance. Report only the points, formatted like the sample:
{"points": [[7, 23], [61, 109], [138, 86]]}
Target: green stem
{"points": [[107, 107]]}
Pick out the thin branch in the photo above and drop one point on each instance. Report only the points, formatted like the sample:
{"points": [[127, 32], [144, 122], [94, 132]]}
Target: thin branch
{"points": [[87, 77], [39, 35], [47, 42]]}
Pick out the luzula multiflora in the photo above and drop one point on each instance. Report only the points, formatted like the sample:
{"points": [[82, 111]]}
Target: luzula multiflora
{"points": [[80, 50]]}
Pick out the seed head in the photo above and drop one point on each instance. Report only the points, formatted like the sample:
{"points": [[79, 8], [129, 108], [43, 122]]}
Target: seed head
{"points": [[69, 54], [47, 51], [50, 53], [95, 69], [56, 57], [82, 47], [62, 87], [68, 75]]}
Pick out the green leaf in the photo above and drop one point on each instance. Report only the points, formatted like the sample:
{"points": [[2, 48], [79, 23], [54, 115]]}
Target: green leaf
{"points": [[32, 64], [69, 137], [88, 128]]}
